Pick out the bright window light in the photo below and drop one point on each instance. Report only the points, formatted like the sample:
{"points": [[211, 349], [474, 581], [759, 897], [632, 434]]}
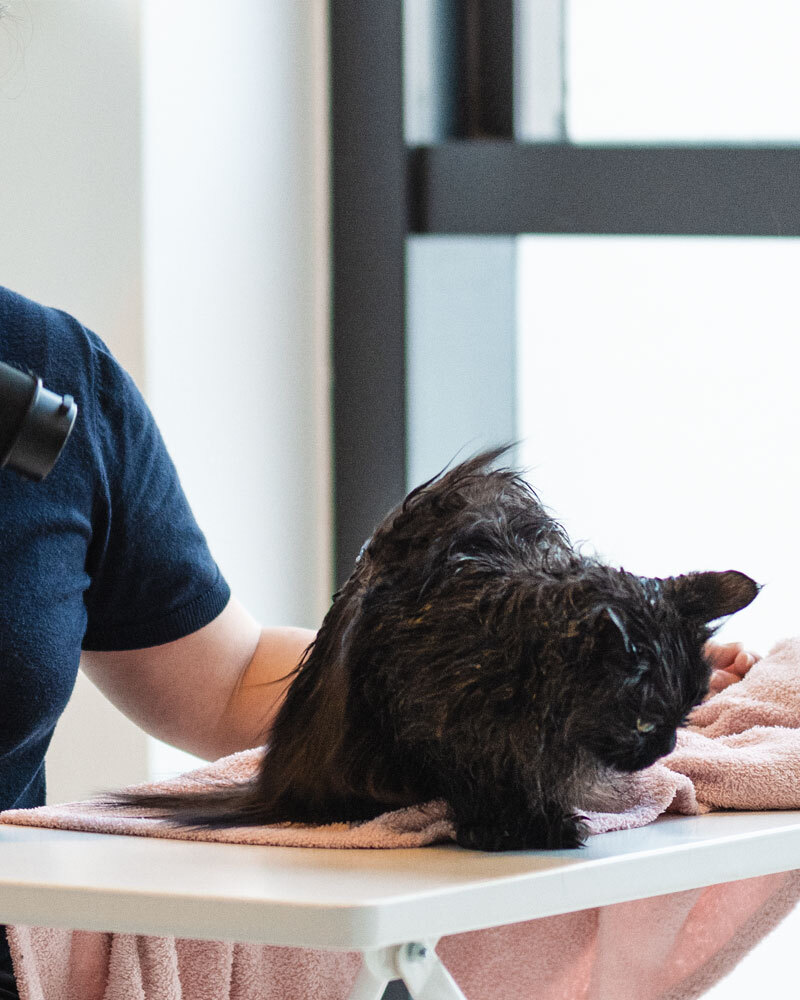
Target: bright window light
{"points": [[658, 406], [687, 71]]}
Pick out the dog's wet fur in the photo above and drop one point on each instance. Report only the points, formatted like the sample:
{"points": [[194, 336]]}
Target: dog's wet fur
{"points": [[476, 656]]}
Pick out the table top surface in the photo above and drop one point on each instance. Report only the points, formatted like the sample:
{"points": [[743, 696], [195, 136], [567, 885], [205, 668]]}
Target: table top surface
{"points": [[359, 899]]}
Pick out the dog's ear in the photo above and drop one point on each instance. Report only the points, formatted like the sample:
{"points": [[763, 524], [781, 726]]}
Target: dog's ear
{"points": [[708, 596]]}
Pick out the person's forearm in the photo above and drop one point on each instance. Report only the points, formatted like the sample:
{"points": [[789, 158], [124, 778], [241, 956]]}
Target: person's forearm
{"points": [[254, 703], [211, 692]]}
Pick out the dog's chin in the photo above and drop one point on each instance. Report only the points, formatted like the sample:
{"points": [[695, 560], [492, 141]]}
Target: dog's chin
{"points": [[636, 764], [639, 759]]}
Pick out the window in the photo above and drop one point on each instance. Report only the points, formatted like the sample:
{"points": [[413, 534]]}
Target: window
{"points": [[581, 231]]}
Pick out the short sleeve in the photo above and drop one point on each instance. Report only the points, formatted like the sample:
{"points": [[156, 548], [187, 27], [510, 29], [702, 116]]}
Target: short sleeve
{"points": [[153, 579]]}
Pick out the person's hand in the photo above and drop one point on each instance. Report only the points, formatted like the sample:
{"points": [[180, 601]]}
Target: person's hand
{"points": [[729, 661]]}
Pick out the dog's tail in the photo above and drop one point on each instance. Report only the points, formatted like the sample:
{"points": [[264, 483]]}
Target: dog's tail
{"points": [[214, 807], [303, 776]]}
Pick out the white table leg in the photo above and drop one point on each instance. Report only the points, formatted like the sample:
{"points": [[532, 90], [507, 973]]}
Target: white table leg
{"points": [[422, 971], [375, 975], [416, 963]]}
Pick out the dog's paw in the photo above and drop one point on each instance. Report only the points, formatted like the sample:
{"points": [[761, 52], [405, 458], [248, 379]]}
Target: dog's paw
{"points": [[534, 833], [479, 837], [569, 831]]}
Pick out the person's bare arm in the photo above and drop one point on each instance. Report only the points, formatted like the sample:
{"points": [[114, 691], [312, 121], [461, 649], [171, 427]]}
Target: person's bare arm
{"points": [[211, 693]]}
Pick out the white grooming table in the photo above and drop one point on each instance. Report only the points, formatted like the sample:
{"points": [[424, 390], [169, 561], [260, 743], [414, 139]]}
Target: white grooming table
{"points": [[392, 905]]}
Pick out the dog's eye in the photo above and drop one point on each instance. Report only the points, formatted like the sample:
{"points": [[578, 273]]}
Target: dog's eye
{"points": [[645, 727]]}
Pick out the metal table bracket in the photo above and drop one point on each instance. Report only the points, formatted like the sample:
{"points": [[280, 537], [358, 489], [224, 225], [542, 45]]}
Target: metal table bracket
{"points": [[416, 963]]}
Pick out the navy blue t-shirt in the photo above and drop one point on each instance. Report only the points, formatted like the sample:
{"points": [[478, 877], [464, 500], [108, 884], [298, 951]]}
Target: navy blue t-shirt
{"points": [[104, 554]]}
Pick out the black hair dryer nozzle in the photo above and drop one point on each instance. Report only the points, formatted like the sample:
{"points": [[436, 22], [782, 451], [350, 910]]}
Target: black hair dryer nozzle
{"points": [[34, 423]]}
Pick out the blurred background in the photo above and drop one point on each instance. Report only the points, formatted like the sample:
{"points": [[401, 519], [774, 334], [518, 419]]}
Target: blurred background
{"points": [[338, 245]]}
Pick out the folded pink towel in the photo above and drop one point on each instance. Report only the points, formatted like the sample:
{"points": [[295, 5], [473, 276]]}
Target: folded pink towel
{"points": [[742, 751]]}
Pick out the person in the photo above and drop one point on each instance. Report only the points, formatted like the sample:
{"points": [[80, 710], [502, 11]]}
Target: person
{"points": [[730, 661], [103, 565]]}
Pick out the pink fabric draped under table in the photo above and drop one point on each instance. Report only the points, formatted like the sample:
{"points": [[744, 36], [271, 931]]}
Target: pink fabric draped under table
{"points": [[741, 751]]}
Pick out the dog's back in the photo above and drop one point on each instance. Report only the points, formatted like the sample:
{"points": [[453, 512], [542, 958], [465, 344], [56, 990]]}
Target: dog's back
{"points": [[473, 514]]}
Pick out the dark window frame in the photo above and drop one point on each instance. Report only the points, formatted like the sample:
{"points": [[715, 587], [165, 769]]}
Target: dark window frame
{"points": [[478, 179]]}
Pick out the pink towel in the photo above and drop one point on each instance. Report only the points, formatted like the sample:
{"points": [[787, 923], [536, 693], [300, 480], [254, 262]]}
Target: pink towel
{"points": [[742, 751]]}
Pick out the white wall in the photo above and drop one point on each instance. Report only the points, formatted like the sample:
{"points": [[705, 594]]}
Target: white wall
{"points": [[163, 177], [235, 224], [232, 249], [70, 178]]}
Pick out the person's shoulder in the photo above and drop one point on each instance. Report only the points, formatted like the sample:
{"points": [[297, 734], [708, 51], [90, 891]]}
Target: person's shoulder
{"points": [[15, 306], [17, 311], [43, 337]]}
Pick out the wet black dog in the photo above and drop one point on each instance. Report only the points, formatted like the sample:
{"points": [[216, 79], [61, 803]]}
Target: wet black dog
{"points": [[476, 656]]}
